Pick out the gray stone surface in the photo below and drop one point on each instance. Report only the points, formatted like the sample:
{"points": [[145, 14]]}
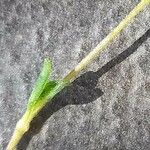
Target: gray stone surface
{"points": [[108, 106]]}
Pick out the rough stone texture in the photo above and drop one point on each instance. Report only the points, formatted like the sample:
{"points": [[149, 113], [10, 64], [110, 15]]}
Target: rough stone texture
{"points": [[108, 106]]}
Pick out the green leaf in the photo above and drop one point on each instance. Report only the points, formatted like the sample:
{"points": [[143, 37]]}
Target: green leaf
{"points": [[48, 88], [41, 82], [51, 89], [44, 90]]}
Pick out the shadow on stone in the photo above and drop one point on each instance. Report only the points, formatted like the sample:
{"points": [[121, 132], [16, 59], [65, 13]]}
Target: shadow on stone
{"points": [[82, 91]]}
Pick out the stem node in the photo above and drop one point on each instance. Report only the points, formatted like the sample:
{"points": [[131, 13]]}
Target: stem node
{"points": [[21, 127]]}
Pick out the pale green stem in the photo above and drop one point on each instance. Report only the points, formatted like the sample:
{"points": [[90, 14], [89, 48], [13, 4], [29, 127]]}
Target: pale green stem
{"points": [[24, 123], [21, 127], [106, 41]]}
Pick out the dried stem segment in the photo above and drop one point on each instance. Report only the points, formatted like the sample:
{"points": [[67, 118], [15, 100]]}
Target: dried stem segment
{"points": [[106, 41]]}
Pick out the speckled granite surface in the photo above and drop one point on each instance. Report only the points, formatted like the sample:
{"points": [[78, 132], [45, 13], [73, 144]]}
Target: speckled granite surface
{"points": [[108, 106]]}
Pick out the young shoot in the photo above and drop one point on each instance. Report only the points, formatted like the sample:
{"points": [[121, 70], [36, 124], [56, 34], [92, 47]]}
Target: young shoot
{"points": [[44, 89]]}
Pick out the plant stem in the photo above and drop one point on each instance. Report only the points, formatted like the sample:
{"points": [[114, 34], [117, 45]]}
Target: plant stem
{"points": [[106, 41], [24, 123], [21, 127]]}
